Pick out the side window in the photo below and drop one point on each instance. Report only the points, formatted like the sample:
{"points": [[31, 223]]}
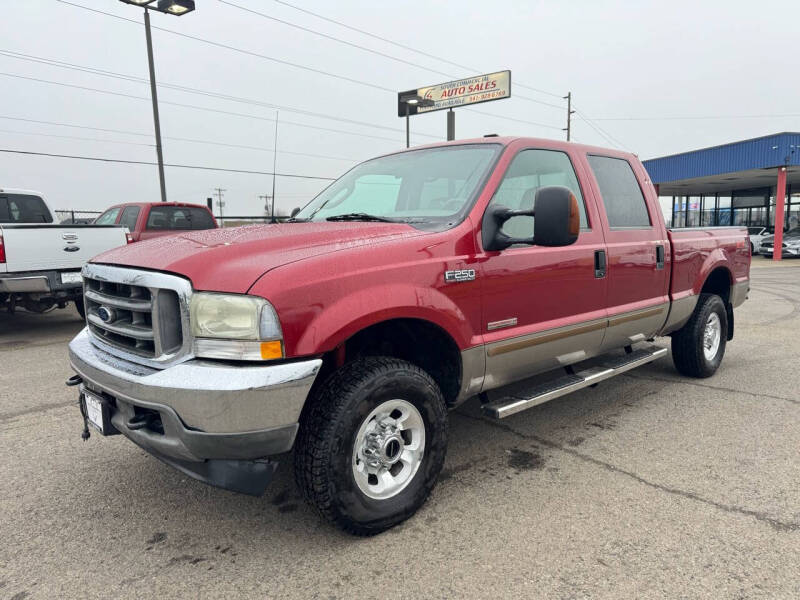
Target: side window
{"points": [[529, 171], [622, 196], [129, 216], [108, 218]]}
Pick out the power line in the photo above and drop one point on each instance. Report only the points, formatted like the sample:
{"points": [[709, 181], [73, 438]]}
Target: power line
{"points": [[75, 137], [698, 118], [177, 139], [278, 60], [203, 108], [365, 49], [333, 38], [604, 134], [182, 88], [176, 166], [403, 46]]}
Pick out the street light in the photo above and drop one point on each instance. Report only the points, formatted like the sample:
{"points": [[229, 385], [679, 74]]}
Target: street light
{"points": [[416, 102], [171, 7]]}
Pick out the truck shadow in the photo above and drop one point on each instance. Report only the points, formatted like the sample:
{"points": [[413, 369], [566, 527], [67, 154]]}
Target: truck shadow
{"points": [[481, 452]]}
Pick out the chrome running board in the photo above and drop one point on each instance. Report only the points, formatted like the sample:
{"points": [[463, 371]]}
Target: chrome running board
{"points": [[543, 392]]}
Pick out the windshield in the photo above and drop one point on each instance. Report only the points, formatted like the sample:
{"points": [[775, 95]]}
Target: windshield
{"points": [[434, 185]]}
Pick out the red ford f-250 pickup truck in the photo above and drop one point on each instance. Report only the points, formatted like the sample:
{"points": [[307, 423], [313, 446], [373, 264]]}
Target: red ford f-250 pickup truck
{"points": [[414, 282]]}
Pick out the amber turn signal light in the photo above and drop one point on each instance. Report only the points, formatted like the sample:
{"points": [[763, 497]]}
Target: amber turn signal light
{"points": [[271, 350]]}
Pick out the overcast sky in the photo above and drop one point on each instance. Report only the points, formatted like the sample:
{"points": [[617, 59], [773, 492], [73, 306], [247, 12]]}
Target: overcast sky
{"points": [[670, 64]]}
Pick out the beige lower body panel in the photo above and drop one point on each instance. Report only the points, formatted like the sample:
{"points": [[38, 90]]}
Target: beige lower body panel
{"points": [[508, 361], [635, 326], [473, 371], [739, 291]]}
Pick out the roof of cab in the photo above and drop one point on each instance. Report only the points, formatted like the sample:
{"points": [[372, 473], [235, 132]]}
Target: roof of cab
{"points": [[532, 141]]}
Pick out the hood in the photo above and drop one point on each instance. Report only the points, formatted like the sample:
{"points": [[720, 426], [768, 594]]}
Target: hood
{"points": [[231, 260]]}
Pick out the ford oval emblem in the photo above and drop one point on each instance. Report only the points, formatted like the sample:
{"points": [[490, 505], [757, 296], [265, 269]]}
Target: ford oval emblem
{"points": [[106, 314]]}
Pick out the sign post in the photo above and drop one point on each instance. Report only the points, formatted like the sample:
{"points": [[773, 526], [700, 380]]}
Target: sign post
{"points": [[452, 94]]}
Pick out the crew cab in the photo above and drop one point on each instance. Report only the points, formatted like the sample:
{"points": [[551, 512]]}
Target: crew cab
{"points": [[147, 220], [511, 270], [40, 261]]}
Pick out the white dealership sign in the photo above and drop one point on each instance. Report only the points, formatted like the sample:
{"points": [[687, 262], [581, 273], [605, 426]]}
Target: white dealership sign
{"points": [[472, 90]]}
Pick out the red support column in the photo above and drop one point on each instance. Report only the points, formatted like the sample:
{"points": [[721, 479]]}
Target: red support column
{"points": [[780, 200]]}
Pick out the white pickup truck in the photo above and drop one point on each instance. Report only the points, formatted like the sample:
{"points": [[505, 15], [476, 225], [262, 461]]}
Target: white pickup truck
{"points": [[40, 261]]}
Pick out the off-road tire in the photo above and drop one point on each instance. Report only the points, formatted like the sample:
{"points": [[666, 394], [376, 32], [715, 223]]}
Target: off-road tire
{"points": [[328, 428], [687, 342]]}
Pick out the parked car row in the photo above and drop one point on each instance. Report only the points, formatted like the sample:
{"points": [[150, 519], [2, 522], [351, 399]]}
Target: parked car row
{"points": [[40, 261]]}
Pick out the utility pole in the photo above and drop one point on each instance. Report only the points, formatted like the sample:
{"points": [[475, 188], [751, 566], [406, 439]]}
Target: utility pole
{"points": [[221, 204], [154, 97], [570, 112], [451, 125], [274, 165]]}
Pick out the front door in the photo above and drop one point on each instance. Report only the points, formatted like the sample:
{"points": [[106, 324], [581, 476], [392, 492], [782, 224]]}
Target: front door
{"points": [[542, 307]]}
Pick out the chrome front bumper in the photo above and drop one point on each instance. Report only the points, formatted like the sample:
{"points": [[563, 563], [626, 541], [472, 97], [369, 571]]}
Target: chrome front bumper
{"points": [[209, 409]]}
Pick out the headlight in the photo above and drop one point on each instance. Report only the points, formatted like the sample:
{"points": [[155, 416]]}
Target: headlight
{"points": [[232, 326]]}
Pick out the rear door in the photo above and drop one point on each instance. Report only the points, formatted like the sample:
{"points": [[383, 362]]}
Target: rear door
{"points": [[542, 307], [638, 269]]}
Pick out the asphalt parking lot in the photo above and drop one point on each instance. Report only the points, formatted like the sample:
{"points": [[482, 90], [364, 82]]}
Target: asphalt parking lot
{"points": [[650, 485]]}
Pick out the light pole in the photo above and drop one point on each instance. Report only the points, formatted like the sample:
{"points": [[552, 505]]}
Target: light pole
{"points": [[415, 101], [172, 7]]}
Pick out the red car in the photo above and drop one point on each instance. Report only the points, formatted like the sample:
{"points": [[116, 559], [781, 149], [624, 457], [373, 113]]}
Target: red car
{"points": [[508, 270], [146, 220]]}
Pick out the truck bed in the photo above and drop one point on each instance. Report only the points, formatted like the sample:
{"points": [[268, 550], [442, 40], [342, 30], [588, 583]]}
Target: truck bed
{"points": [[696, 252]]}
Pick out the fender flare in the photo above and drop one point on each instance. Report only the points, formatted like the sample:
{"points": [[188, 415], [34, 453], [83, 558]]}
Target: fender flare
{"points": [[377, 304]]}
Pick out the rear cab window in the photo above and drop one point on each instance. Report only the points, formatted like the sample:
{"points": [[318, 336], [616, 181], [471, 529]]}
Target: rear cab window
{"points": [[622, 196], [178, 218], [23, 208]]}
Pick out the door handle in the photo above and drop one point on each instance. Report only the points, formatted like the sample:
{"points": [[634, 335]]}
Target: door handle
{"points": [[659, 257], [599, 264]]}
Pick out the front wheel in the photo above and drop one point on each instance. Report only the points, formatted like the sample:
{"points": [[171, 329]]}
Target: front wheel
{"points": [[371, 444], [698, 347]]}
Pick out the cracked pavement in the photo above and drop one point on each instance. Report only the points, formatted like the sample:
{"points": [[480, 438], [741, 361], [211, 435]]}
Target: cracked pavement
{"points": [[650, 485]]}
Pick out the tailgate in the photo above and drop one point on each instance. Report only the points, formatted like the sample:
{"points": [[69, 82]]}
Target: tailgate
{"points": [[56, 247]]}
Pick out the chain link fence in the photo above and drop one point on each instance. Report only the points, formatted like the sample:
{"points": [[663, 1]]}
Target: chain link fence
{"points": [[76, 217]]}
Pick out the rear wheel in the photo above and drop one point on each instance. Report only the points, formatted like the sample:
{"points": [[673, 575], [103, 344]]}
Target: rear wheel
{"points": [[371, 444], [698, 347]]}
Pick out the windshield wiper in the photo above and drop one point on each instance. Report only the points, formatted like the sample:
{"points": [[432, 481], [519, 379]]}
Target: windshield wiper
{"points": [[360, 216]]}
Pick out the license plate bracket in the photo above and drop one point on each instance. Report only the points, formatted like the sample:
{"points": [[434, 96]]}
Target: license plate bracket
{"points": [[71, 277], [98, 412]]}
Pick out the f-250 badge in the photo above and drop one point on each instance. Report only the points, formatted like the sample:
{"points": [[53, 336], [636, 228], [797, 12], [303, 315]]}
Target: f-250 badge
{"points": [[459, 275]]}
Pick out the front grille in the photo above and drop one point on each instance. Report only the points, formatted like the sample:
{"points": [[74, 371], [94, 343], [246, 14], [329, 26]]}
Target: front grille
{"points": [[121, 315], [138, 313]]}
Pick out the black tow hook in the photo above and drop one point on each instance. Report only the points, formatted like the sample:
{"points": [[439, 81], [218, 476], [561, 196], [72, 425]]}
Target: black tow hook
{"points": [[74, 380], [140, 421]]}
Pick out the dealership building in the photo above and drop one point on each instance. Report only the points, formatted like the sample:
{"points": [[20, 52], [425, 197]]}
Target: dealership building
{"points": [[741, 183]]}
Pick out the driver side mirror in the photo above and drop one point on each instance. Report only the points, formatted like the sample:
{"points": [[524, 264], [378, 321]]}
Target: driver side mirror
{"points": [[556, 220], [295, 210]]}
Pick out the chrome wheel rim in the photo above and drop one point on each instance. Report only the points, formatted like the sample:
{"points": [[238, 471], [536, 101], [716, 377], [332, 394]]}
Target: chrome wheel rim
{"points": [[388, 449], [712, 336]]}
